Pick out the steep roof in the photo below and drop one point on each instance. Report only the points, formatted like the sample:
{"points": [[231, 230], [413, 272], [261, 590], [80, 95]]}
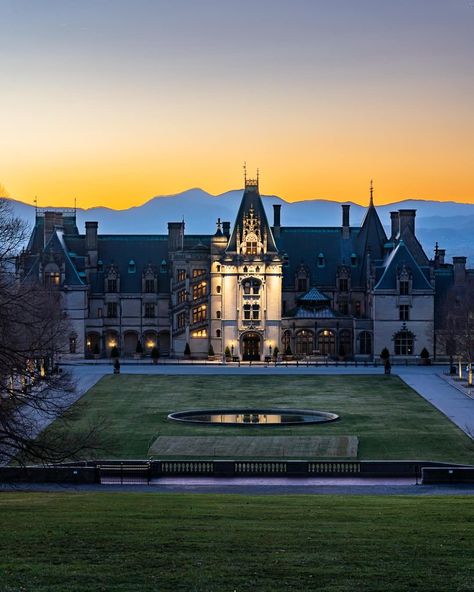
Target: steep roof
{"points": [[399, 258], [251, 201]]}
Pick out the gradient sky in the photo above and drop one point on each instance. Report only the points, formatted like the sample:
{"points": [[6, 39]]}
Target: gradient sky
{"points": [[115, 101]]}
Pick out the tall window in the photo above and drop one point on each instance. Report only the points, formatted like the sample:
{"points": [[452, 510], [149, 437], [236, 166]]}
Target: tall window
{"points": [[149, 310], [181, 296], [251, 286], [112, 309], [72, 344], [302, 284], [344, 308], [404, 343], [304, 343], [181, 320], [149, 286], [327, 343], [404, 287], [404, 310], [251, 312], [365, 343], [198, 272], [180, 275], [111, 285], [199, 291], [199, 314], [52, 279], [343, 285]]}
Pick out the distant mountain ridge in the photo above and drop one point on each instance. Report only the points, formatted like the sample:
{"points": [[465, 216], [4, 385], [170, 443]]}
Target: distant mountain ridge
{"points": [[448, 223]]}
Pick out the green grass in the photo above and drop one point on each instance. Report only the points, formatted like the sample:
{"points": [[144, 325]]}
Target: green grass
{"points": [[390, 419], [126, 542]]}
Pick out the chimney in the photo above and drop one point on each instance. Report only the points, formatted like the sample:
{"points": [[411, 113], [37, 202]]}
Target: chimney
{"points": [[407, 220], [459, 264], [345, 220], [52, 220], [276, 220], [439, 257], [395, 220], [175, 236], [226, 229], [91, 236], [92, 243]]}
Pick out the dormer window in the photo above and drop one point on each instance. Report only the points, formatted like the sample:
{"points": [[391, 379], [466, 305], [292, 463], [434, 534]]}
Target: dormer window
{"points": [[251, 286], [112, 285], [353, 260], [52, 276], [321, 260], [100, 265], [404, 287], [132, 268], [164, 266]]}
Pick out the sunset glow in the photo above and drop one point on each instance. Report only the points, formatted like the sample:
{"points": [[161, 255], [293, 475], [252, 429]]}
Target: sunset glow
{"points": [[114, 102]]}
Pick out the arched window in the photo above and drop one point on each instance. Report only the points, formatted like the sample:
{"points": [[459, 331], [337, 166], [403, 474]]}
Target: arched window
{"points": [[327, 342], [218, 314], [404, 341], [218, 333], [132, 268], [218, 289], [52, 277], [345, 343], [304, 342], [365, 343], [321, 260]]}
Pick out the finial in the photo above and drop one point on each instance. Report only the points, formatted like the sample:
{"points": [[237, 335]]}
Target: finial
{"points": [[258, 175], [436, 248], [218, 223], [245, 172], [371, 192]]}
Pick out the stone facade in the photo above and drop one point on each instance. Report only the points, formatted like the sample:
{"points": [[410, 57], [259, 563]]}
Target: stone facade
{"points": [[341, 292]]}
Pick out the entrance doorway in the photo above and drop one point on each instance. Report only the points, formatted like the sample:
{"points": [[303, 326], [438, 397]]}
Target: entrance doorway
{"points": [[251, 347]]}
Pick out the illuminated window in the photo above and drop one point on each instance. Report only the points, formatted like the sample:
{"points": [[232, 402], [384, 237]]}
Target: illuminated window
{"points": [[199, 314], [251, 247], [181, 296], [198, 272], [52, 279], [199, 334], [304, 342], [200, 290], [181, 320], [180, 275]]}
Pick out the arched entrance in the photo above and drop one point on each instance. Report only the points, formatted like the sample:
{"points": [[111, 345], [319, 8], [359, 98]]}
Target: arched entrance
{"points": [[251, 345]]}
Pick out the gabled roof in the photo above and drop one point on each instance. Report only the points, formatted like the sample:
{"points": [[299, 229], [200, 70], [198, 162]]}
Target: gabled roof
{"points": [[251, 200], [313, 295], [401, 257]]}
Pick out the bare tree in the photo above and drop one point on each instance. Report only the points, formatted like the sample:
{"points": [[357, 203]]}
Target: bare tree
{"points": [[33, 391]]}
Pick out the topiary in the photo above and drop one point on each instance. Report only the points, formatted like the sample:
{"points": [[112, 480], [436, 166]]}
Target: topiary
{"points": [[385, 354], [288, 350], [187, 350], [425, 354], [96, 350], [139, 348], [114, 352], [155, 353], [276, 351], [227, 352], [210, 351]]}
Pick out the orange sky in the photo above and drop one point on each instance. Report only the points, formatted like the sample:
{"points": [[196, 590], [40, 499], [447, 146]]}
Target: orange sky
{"points": [[116, 106]]}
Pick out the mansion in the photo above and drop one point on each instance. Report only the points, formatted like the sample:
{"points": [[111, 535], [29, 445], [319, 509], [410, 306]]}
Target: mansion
{"points": [[343, 292]]}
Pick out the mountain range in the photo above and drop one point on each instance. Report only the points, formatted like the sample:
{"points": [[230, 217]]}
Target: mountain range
{"points": [[450, 224]]}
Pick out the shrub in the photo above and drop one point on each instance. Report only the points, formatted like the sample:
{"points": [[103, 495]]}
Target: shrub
{"points": [[210, 351], [385, 354], [155, 354], [114, 352], [425, 354], [288, 350], [227, 352], [139, 348], [187, 350], [276, 351], [96, 350]]}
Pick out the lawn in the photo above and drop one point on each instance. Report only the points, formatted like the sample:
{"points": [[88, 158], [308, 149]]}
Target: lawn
{"points": [[389, 419], [204, 543]]}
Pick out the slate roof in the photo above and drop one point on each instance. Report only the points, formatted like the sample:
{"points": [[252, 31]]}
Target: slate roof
{"points": [[303, 312], [313, 296], [251, 199], [401, 257]]}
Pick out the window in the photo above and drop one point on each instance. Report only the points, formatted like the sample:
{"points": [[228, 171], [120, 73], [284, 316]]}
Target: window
{"points": [[247, 311], [404, 312], [52, 279], [302, 284], [181, 296], [149, 310], [100, 265], [218, 267], [251, 286], [112, 309], [218, 314], [163, 266], [327, 342], [218, 289], [286, 342], [251, 312], [321, 261], [199, 314], [404, 287], [149, 286], [304, 343], [180, 275], [198, 272], [181, 320], [404, 343], [199, 291], [255, 311], [218, 333], [343, 285], [111, 285], [251, 247], [365, 343], [345, 343], [72, 344], [357, 308], [344, 308], [132, 268], [199, 334], [354, 260]]}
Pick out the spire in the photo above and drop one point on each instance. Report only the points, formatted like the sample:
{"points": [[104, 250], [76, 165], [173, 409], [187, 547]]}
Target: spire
{"points": [[371, 203]]}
